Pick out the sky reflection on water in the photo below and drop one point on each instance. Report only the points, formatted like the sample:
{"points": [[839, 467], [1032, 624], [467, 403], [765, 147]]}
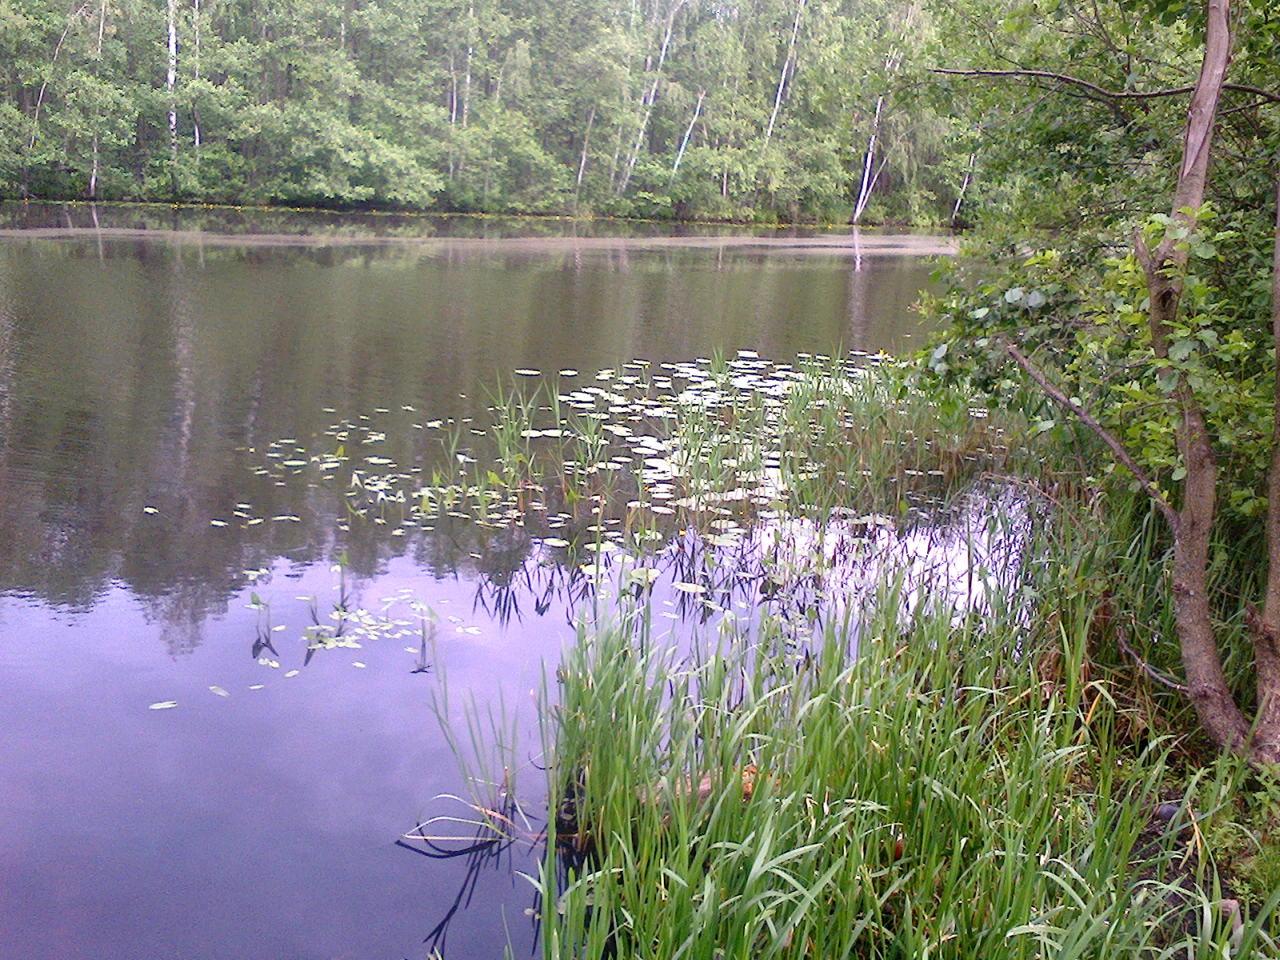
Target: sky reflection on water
{"points": [[132, 375]]}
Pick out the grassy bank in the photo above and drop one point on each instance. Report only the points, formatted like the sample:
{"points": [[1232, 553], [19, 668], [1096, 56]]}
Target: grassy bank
{"points": [[916, 702], [997, 779], [932, 786]]}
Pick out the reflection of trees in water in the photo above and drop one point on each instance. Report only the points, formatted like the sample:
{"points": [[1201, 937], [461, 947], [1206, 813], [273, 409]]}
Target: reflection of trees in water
{"points": [[181, 612], [134, 386]]}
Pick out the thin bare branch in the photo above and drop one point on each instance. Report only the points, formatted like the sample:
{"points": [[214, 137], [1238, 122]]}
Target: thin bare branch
{"points": [[1106, 436], [1100, 91], [1158, 676]]}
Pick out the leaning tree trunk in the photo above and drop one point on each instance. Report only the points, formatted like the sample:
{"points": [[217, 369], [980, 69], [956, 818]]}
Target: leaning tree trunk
{"points": [[649, 98], [1165, 268], [1192, 523], [782, 77], [688, 132]]}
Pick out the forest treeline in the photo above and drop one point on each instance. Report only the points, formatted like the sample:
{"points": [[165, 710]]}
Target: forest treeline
{"points": [[764, 109]]}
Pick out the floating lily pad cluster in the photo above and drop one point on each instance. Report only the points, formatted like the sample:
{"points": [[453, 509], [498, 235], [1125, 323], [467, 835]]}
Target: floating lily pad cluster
{"points": [[639, 452], [717, 482]]}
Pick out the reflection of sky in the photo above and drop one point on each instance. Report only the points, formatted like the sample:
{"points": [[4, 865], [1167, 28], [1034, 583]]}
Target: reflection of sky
{"points": [[260, 824], [269, 815]]}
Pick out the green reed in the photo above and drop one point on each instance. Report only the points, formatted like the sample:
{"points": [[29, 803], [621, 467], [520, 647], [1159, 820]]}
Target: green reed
{"points": [[915, 782], [917, 785]]}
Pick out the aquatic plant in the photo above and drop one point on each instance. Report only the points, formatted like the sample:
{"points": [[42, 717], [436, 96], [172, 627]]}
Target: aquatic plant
{"points": [[920, 785]]}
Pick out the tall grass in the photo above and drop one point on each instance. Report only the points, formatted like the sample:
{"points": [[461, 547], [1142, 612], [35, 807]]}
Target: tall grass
{"points": [[931, 786], [918, 781], [920, 777]]}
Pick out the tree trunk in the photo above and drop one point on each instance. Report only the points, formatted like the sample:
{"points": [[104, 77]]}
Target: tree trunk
{"points": [[1192, 523], [964, 187], [582, 160], [684, 143], [782, 77], [1266, 629], [870, 172], [53, 63], [648, 99], [466, 75], [1215, 705], [195, 110], [97, 120], [170, 85]]}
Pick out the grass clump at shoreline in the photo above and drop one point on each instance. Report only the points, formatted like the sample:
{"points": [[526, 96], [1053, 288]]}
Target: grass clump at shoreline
{"points": [[927, 785], [920, 778]]}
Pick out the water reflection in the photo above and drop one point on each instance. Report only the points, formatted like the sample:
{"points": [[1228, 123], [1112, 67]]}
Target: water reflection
{"points": [[141, 384], [136, 384]]}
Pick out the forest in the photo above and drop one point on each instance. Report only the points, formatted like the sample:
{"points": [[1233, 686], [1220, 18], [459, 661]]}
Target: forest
{"points": [[769, 110]]}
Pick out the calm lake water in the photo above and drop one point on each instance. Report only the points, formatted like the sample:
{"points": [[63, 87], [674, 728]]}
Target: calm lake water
{"points": [[154, 364]]}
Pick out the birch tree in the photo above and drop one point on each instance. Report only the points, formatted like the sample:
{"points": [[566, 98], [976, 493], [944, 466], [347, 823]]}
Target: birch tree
{"points": [[874, 158]]}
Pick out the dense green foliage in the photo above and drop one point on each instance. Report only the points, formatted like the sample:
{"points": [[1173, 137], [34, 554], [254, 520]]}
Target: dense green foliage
{"points": [[1144, 320], [662, 108], [1093, 170]]}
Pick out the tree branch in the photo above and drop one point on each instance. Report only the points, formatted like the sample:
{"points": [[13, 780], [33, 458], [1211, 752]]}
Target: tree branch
{"points": [[1106, 436], [1156, 675], [1097, 90]]}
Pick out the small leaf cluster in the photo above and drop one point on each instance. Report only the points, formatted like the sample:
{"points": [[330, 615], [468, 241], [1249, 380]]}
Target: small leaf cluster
{"points": [[1080, 310]]}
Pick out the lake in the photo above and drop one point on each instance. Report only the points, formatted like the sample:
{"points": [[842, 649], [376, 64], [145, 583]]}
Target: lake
{"points": [[185, 774]]}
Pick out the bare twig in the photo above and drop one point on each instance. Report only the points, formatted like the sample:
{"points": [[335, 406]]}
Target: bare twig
{"points": [[1098, 90], [1157, 675], [1106, 436]]}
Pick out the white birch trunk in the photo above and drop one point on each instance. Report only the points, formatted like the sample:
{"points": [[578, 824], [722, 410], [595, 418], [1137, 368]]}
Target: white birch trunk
{"points": [[582, 160], [697, 110], [964, 186], [170, 86], [195, 112], [869, 174], [870, 171], [93, 169], [782, 77], [453, 93], [466, 76], [648, 100], [53, 62]]}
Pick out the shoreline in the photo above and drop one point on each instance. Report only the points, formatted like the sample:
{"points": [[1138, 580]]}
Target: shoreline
{"points": [[852, 244], [387, 212]]}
